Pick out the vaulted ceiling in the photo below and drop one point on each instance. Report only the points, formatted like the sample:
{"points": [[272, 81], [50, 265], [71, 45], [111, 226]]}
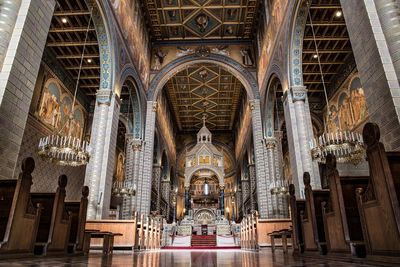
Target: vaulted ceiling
{"points": [[201, 19], [208, 90]]}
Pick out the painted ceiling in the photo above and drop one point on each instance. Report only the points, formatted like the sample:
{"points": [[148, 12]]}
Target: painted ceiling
{"points": [[201, 19], [204, 90]]}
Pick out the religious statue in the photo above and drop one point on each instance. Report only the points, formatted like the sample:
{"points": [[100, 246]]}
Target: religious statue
{"points": [[246, 56], [119, 172]]}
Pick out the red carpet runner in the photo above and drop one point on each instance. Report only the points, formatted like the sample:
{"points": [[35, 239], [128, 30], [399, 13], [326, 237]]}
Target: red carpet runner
{"points": [[203, 242]]}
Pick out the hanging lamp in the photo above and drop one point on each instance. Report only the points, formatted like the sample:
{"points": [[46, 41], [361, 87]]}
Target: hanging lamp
{"points": [[347, 146], [67, 150]]}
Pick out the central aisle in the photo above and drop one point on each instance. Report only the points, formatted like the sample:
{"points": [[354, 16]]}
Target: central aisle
{"points": [[181, 258]]}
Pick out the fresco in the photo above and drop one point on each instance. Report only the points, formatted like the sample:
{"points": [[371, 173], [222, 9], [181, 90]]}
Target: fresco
{"points": [[129, 15], [348, 108], [49, 110], [56, 107], [268, 34], [119, 169]]}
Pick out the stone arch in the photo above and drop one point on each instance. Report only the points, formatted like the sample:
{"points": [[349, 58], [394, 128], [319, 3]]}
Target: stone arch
{"points": [[295, 67], [219, 175], [269, 105], [130, 75], [106, 51], [167, 72]]}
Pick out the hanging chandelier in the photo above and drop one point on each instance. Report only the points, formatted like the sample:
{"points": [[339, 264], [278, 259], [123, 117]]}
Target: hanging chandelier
{"points": [[123, 189], [67, 150], [347, 146]]}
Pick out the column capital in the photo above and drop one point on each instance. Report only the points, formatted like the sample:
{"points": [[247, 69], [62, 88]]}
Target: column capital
{"points": [[154, 105], [270, 142], [136, 144], [299, 93], [103, 96], [222, 187]]}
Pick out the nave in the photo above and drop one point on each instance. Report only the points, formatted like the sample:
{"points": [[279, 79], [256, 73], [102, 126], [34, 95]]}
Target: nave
{"points": [[184, 258]]}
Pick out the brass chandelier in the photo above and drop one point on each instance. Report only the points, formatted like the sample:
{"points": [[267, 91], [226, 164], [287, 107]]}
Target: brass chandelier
{"points": [[67, 150], [347, 146]]}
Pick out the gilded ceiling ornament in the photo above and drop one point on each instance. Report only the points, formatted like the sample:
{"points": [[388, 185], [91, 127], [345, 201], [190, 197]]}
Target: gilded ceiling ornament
{"points": [[202, 21]]}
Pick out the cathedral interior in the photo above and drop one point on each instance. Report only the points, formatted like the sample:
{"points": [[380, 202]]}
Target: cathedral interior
{"points": [[217, 132]]}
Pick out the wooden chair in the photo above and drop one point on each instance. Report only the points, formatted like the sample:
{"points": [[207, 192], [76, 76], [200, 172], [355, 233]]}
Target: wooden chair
{"points": [[297, 207], [340, 213], [78, 212], [379, 203], [312, 222], [19, 219], [55, 221]]}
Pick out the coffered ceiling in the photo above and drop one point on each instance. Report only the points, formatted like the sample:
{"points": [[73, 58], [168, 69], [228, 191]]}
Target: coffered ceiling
{"points": [[201, 19], [208, 90]]}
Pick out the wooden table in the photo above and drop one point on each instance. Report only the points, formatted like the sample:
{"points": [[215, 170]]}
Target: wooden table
{"points": [[284, 234], [108, 240]]}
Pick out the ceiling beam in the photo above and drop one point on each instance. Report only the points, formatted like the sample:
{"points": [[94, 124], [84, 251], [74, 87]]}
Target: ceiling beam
{"points": [[327, 23], [70, 29], [325, 6], [86, 67], [319, 73], [77, 56], [323, 62], [88, 77], [327, 51], [64, 44], [326, 38], [71, 13], [314, 82]]}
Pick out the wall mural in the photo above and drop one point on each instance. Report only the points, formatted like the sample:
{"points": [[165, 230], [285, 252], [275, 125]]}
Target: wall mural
{"points": [[267, 35], [130, 17], [119, 175], [55, 108], [348, 108]]}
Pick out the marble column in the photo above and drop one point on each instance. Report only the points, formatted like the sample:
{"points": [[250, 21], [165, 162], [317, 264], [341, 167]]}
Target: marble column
{"points": [[156, 184], [187, 200], [270, 144], [253, 186], [299, 129], [259, 158], [245, 193], [146, 169], [133, 149], [165, 193], [99, 171], [23, 38], [222, 199]]}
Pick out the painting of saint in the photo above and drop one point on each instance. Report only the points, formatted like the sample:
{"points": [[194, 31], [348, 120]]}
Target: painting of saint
{"points": [[333, 122], [119, 170], [358, 103], [77, 124], [345, 118], [66, 109], [49, 111]]}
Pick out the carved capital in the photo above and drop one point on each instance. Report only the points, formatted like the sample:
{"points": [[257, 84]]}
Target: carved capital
{"points": [[270, 142], [252, 104], [299, 93], [136, 144], [103, 96]]}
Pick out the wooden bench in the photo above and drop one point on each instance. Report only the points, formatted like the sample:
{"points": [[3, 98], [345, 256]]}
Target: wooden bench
{"points": [[378, 204], [108, 240], [342, 223], [297, 207], [312, 221], [55, 221], [78, 212], [19, 219], [284, 234]]}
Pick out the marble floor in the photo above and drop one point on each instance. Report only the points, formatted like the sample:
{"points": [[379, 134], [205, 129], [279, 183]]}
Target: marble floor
{"points": [[178, 258]]}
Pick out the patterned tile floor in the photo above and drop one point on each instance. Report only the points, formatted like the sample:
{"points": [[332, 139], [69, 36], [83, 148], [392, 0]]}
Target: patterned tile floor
{"points": [[178, 258]]}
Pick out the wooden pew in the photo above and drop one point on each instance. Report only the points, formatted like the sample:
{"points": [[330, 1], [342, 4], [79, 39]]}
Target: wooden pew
{"points": [[297, 207], [283, 234], [55, 221], [340, 213], [312, 221], [379, 203], [19, 219], [78, 212]]}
